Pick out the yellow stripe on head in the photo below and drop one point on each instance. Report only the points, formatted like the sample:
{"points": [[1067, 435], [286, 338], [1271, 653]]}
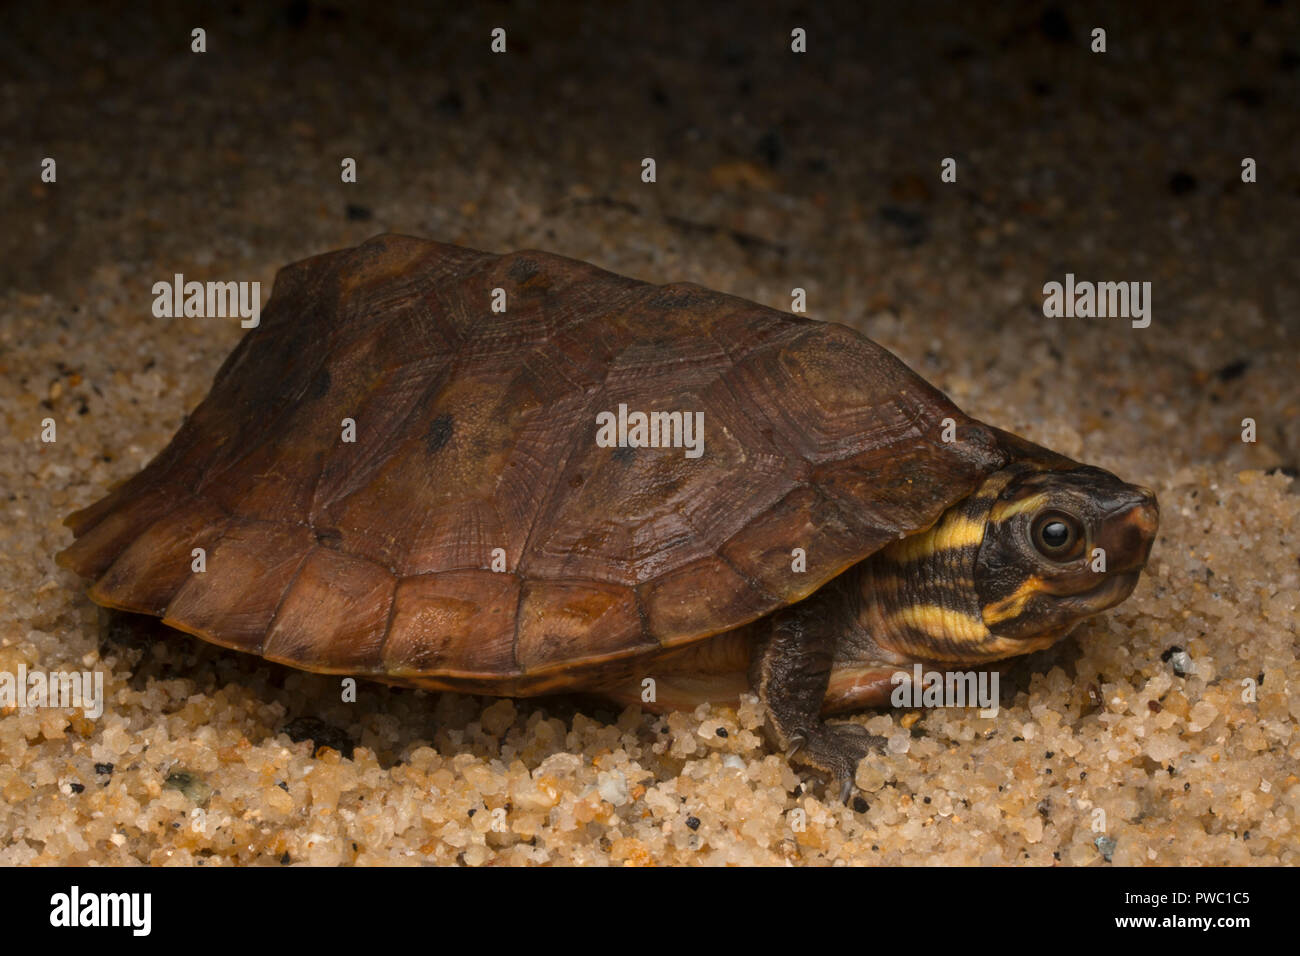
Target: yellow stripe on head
{"points": [[960, 527], [1013, 605], [1009, 509]]}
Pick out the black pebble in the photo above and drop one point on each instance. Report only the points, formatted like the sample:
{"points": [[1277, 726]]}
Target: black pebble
{"points": [[913, 227], [1055, 25], [319, 733], [450, 103], [1233, 370], [1250, 97], [296, 13], [1181, 183], [693, 822], [860, 805], [103, 768], [770, 147], [1170, 652], [721, 731], [76, 788]]}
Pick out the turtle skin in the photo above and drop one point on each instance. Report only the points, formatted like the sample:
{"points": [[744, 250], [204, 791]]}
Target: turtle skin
{"points": [[475, 431]]}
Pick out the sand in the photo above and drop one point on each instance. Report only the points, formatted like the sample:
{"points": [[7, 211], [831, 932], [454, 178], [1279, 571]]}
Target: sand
{"points": [[1166, 732]]}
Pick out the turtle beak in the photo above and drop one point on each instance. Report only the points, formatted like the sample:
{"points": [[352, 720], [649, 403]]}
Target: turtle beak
{"points": [[1126, 533], [1129, 529]]}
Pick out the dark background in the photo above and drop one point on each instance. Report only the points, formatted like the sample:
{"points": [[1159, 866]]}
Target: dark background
{"points": [[775, 169]]}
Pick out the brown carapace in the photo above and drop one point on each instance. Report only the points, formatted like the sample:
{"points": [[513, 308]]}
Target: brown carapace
{"points": [[400, 474]]}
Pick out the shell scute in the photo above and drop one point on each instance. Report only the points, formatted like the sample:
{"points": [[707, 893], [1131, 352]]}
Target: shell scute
{"points": [[333, 616]]}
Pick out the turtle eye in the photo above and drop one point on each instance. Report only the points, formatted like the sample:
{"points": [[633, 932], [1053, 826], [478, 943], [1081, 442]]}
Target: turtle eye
{"points": [[1057, 535]]}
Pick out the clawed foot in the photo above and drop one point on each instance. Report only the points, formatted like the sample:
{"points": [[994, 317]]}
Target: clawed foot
{"points": [[835, 750]]}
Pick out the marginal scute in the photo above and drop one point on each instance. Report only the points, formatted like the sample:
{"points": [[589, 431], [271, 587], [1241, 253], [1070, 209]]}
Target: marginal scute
{"points": [[563, 622], [103, 534], [460, 623], [703, 597], [333, 616], [248, 570], [476, 431], [146, 576]]}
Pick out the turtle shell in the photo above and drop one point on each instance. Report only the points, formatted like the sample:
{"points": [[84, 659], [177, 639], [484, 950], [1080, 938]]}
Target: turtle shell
{"points": [[475, 430]]}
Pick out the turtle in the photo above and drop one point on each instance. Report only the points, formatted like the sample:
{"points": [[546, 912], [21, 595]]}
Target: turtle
{"points": [[521, 474]]}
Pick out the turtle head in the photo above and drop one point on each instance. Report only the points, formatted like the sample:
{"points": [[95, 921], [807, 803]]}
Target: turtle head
{"points": [[1060, 544]]}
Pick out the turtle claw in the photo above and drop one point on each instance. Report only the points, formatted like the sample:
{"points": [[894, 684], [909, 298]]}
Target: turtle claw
{"points": [[835, 750]]}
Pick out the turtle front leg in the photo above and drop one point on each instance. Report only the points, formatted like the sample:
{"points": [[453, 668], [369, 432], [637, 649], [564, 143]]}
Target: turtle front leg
{"points": [[790, 673]]}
